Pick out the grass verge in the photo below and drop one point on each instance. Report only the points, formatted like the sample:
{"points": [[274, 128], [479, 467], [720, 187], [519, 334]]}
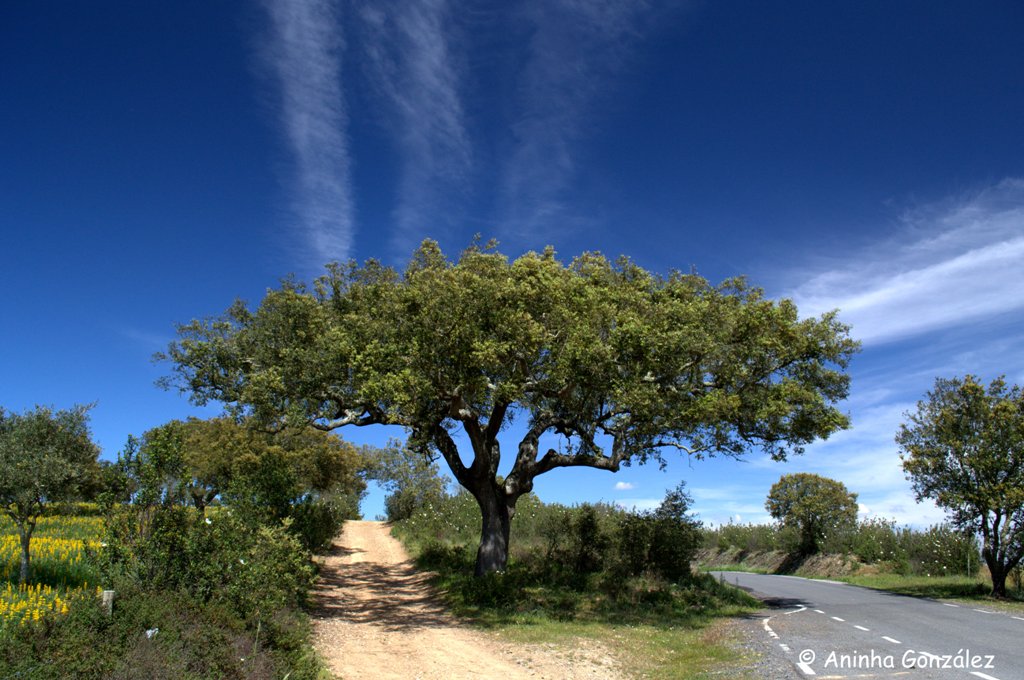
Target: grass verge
{"points": [[653, 629]]}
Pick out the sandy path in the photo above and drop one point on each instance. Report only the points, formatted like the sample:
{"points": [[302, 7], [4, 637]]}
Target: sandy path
{"points": [[375, 616]]}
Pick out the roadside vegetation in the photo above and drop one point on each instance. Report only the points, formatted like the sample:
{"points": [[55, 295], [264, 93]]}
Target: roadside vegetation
{"points": [[597, 571], [207, 585], [938, 562]]}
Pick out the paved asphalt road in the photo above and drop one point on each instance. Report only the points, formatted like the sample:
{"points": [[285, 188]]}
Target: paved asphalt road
{"points": [[830, 629]]}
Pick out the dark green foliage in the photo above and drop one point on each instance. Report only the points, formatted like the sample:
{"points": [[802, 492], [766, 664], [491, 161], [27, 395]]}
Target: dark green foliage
{"points": [[964, 448], [45, 456], [317, 521], [623, 363], [191, 640], [251, 570], [817, 506], [592, 560], [223, 584]]}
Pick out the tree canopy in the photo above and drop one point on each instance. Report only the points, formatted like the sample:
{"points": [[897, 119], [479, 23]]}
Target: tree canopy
{"points": [[816, 506], [45, 455], [964, 449], [197, 461], [619, 364]]}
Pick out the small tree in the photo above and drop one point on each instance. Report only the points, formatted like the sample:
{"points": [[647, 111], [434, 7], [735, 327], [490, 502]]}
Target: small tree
{"points": [[964, 448], [814, 505], [45, 456]]}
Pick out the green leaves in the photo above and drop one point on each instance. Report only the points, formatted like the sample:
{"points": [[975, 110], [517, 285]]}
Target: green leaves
{"points": [[817, 506], [44, 456], [964, 448]]}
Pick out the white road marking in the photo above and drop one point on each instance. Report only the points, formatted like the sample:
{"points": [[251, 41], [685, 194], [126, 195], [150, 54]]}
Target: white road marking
{"points": [[889, 639], [785, 648], [984, 611], [949, 604], [1017, 617], [797, 611], [862, 628], [769, 630], [810, 671], [819, 611], [836, 618], [983, 676]]}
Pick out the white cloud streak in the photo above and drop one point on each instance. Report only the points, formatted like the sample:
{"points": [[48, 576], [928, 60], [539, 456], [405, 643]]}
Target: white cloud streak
{"points": [[412, 66], [957, 263], [304, 54], [624, 486], [574, 49]]}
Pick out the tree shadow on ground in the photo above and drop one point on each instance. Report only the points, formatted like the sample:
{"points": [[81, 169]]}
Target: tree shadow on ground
{"points": [[395, 597], [791, 563]]}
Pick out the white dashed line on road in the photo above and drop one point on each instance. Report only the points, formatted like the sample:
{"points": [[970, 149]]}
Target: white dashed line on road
{"points": [[949, 604], [983, 676], [1017, 617], [785, 648], [984, 611], [819, 611], [805, 668], [889, 639], [769, 630], [836, 618], [862, 628]]}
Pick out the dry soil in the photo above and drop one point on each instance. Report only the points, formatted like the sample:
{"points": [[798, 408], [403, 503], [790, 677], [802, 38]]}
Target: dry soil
{"points": [[376, 616]]}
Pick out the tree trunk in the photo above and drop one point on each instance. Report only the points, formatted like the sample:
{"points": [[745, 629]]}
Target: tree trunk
{"points": [[998, 571], [496, 511], [26, 537], [998, 581]]}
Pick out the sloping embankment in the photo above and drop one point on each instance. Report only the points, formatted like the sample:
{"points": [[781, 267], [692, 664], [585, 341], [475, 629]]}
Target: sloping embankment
{"points": [[775, 562]]}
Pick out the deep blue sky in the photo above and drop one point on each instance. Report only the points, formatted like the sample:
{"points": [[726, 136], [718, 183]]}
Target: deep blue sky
{"points": [[158, 160]]}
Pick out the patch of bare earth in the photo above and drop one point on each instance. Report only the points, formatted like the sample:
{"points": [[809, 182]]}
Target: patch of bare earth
{"points": [[376, 616]]}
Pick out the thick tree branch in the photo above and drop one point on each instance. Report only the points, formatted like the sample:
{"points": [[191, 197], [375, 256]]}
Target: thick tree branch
{"points": [[446, 445], [553, 459]]}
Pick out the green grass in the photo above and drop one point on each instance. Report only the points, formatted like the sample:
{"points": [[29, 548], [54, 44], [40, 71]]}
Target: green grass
{"points": [[704, 647], [968, 590], [654, 629]]}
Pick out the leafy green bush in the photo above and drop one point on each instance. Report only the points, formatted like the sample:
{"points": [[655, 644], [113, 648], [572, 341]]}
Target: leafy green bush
{"points": [[568, 562], [253, 570], [156, 634], [316, 521]]}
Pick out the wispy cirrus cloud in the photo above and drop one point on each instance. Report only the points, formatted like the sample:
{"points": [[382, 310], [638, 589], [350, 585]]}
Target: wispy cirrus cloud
{"points": [[575, 51], [955, 263], [624, 486], [304, 54], [412, 59]]}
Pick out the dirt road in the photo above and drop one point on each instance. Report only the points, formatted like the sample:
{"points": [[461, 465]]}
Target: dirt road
{"points": [[375, 616]]}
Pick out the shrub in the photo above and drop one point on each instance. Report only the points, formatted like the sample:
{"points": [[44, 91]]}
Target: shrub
{"points": [[219, 558], [317, 521]]}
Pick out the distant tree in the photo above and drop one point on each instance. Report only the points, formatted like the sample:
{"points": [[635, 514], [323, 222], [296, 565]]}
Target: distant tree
{"points": [[617, 363], [816, 506], [45, 456], [964, 449], [410, 479]]}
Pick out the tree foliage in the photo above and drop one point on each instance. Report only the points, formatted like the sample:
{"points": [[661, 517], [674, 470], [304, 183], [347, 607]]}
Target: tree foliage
{"points": [[816, 506], [410, 479], [615, 362], [964, 449], [45, 456]]}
